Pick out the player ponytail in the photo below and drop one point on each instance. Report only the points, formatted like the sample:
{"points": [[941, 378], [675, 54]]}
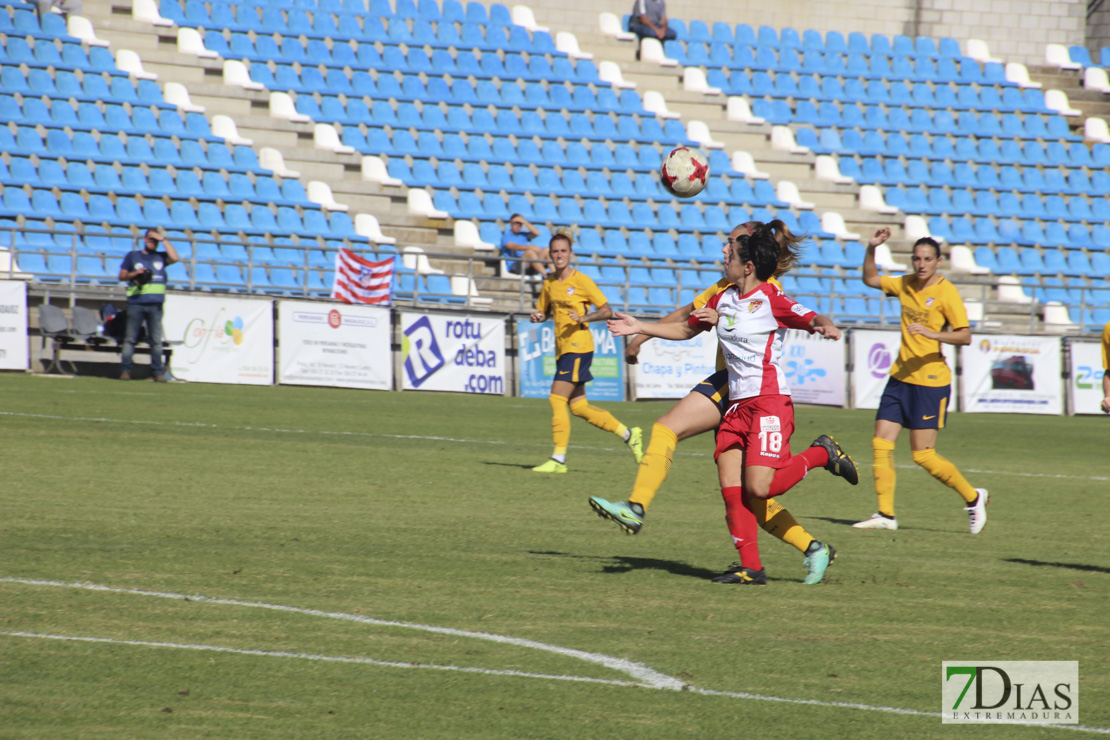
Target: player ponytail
{"points": [[764, 252], [789, 246], [789, 243]]}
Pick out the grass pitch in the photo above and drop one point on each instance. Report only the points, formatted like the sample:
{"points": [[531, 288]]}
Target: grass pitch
{"points": [[369, 517]]}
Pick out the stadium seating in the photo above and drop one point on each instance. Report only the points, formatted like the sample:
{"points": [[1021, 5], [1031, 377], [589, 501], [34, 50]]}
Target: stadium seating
{"points": [[492, 118]]}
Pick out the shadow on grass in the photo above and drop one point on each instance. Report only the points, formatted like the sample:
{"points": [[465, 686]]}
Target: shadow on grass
{"points": [[1070, 566], [625, 564], [509, 465]]}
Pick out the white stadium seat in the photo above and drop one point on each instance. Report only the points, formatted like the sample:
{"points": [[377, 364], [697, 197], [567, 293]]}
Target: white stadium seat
{"points": [[224, 126], [177, 94], [320, 192], [610, 25], [238, 73], [326, 136], [420, 204], [271, 159], [374, 170], [147, 10], [189, 41], [129, 62]]}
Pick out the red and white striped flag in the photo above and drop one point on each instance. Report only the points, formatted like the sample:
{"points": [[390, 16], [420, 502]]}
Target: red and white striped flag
{"points": [[359, 280]]}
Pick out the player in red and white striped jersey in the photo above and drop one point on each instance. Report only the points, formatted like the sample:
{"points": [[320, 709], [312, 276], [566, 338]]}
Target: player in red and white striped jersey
{"points": [[753, 444]]}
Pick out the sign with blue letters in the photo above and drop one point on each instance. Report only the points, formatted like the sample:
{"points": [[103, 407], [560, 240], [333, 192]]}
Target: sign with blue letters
{"points": [[536, 346]]}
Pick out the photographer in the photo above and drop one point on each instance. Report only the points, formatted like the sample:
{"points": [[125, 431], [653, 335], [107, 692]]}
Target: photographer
{"points": [[145, 272]]}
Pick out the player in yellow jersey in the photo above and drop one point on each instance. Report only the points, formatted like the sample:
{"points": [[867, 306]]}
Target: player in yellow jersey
{"points": [[701, 411], [1105, 405], [920, 383], [567, 296]]}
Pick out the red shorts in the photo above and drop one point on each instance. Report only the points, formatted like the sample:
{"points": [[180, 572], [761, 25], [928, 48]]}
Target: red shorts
{"points": [[761, 427]]}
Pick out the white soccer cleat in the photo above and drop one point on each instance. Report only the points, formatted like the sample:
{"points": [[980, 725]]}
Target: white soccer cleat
{"points": [[877, 521], [977, 514]]}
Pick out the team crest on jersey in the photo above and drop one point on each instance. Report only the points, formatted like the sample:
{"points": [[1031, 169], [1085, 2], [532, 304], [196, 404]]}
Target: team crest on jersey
{"points": [[570, 290], [929, 302], [754, 306]]}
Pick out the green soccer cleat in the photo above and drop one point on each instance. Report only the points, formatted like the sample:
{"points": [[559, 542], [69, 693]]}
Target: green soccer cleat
{"points": [[551, 466], [742, 576], [620, 512], [839, 462], [819, 557], [636, 443]]}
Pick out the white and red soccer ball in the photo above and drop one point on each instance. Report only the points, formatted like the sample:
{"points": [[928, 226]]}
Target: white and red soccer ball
{"points": [[684, 172]]}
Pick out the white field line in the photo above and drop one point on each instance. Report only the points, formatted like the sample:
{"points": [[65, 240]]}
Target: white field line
{"points": [[644, 676], [324, 658], [432, 438]]}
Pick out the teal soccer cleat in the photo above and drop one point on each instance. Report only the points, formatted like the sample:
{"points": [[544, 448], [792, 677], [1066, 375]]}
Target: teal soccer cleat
{"points": [[819, 557], [620, 512]]}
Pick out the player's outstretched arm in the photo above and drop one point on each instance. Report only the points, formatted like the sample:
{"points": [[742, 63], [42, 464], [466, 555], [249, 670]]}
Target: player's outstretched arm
{"points": [[870, 269], [623, 325], [825, 326], [632, 346]]}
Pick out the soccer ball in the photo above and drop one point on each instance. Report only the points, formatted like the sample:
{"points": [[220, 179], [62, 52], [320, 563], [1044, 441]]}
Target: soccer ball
{"points": [[684, 172]]}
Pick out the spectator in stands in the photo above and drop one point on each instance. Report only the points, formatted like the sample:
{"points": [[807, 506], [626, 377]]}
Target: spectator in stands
{"points": [[1106, 368], [145, 272], [649, 20], [62, 7], [516, 243]]}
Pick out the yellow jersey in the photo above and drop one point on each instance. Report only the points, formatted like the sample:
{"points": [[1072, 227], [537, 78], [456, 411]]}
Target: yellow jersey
{"points": [[575, 293], [720, 287], [920, 360], [1106, 346]]}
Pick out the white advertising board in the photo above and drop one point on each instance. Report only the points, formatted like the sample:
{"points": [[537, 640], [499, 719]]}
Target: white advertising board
{"points": [[345, 346], [1012, 374], [465, 354], [223, 339], [669, 369], [14, 351], [873, 354], [814, 368], [1085, 377]]}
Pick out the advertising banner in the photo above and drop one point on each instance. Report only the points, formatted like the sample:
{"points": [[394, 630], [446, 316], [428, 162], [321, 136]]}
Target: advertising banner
{"points": [[1085, 377], [345, 346], [14, 350], [222, 339], [465, 354], [536, 346], [873, 354], [814, 368], [669, 369], [1012, 374]]}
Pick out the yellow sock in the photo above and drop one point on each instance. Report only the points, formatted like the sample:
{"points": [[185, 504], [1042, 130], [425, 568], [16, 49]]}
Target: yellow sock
{"points": [[600, 418], [883, 470], [779, 522], [945, 472], [655, 465], [560, 423]]}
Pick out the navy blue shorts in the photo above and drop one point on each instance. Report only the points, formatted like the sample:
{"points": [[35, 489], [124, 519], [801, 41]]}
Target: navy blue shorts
{"points": [[715, 388], [574, 367], [914, 406]]}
